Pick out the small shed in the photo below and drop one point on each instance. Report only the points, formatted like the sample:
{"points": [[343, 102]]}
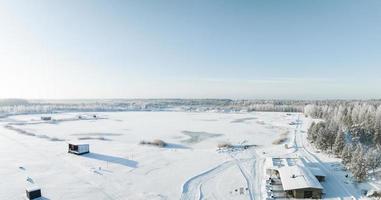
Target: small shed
{"points": [[46, 118], [318, 173], [33, 192], [77, 148], [299, 182]]}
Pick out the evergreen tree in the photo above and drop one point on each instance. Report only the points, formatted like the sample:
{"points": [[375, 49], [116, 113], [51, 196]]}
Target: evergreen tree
{"points": [[314, 132], [360, 171], [358, 164], [339, 144], [358, 154], [322, 138], [332, 130], [377, 127], [373, 158], [310, 131], [346, 154], [377, 137]]}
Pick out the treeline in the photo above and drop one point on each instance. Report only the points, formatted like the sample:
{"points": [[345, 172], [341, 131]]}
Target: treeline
{"points": [[192, 105], [351, 131]]}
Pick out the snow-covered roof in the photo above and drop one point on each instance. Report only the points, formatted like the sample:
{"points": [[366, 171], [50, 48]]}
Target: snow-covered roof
{"points": [[32, 188], [298, 177], [275, 163], [77, 143], [269, 163]]}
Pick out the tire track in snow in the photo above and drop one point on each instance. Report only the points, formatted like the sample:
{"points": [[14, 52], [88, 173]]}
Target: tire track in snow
{"points": [[192, 190], [255, 175], [246, 175], [258, 177]]}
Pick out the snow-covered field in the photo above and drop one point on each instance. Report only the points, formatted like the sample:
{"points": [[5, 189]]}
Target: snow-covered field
{"points": [[189, 167]]}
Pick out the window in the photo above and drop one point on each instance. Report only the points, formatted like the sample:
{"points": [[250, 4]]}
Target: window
{"points": [[307, 194], [73, 147]]}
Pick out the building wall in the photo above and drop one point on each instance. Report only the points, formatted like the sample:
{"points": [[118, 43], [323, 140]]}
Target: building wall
{"points": [[316, 193], [320, 178]]}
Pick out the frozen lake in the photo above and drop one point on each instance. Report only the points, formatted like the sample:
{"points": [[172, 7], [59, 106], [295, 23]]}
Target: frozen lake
{"points": [[118, 167]]}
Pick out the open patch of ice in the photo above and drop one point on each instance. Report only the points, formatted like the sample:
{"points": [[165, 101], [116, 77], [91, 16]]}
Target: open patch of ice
{"points": [[198, 136]]}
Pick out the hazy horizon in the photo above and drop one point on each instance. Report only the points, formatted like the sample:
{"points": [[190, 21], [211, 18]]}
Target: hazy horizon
{"points": [[190, 49], [143, 99]]}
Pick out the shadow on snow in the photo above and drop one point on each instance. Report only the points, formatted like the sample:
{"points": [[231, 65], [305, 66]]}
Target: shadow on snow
{"points": [[112, 159], [175, 146]]}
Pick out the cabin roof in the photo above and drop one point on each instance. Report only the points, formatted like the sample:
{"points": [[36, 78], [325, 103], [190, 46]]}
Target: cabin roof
{"points": [[298, 177], [32, 188], [78, 143]]}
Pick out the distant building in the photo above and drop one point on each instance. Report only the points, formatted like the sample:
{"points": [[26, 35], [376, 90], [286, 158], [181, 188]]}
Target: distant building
{"points": [[33, 192], [78, 149], [46, 118]]}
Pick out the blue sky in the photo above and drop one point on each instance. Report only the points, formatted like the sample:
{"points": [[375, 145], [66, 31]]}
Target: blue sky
{"points": [[303, 49]]}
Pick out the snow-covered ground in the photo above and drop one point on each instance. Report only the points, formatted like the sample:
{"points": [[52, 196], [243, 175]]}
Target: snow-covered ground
{"points": [[190, 167]]}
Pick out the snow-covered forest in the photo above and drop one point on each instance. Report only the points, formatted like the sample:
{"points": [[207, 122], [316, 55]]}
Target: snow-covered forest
{"points": [[351, 131]]}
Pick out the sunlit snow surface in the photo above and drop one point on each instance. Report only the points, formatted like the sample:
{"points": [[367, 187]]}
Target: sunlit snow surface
{"points": [[118, 167]]}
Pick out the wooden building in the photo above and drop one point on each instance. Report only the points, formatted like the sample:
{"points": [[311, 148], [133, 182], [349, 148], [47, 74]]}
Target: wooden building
{"points": [[300, 182]]}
